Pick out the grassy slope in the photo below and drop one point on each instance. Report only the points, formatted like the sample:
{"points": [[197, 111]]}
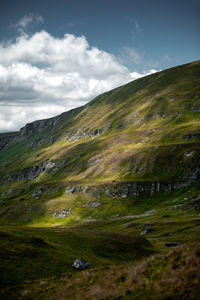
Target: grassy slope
{"points": [[143, 122]]}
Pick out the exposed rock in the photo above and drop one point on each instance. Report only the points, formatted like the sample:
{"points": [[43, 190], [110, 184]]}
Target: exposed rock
{"points": [[73, 190], [94, 162], [191, 136], [73, 136], [31, 173], [126, 191], [189, 154], [49, 166], [7, 138], [68, 189], [139, 188], [62, 214], [196, 109], [53, 167], [36, 194], [11, 191], [37, 126], [94, 204], [145, 231], [53, 139], [194, 205], [85, 189], [147, 225], [80, 264]]}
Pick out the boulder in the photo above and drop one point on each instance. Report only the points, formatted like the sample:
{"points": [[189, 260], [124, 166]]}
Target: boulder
{"points": [[80, 264]]}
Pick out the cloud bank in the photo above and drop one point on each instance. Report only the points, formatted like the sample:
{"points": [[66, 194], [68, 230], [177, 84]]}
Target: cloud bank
{"points": [[42, 76]]}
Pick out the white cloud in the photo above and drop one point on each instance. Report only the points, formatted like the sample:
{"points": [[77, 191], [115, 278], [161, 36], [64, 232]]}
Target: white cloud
{"points": [[26, 20], [41, 76], [130, 55]]}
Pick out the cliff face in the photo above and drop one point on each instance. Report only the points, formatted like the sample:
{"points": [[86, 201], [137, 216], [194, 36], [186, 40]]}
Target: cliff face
{"points": [[7, 138], [36, 128]]}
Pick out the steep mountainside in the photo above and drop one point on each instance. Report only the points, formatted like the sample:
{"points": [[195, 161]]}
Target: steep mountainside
{"points": [[112, 182], [138, 139]]}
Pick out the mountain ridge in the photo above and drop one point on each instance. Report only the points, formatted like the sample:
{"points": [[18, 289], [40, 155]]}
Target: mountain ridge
{"points": [[60, 116], [134, 141]]}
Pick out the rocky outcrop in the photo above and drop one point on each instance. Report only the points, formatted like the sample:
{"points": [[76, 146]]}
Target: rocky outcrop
{"points": [[145, 232], [74, 189], [7, 138], [142, 188], [37, 194], [62, 214], [134, 188], [77, 136], [36, 127], [31, 173], [196, 109], [191, 136], [194, 205]]}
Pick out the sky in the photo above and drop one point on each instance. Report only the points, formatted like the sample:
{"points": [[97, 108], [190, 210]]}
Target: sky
{"points": [[58, 55]]}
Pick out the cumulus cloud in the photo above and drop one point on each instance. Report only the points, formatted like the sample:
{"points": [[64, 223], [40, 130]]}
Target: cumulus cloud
{"points": [[42, 75]]}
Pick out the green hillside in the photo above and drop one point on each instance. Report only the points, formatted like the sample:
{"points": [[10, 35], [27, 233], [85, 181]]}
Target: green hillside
{"points": [[89, 181]]}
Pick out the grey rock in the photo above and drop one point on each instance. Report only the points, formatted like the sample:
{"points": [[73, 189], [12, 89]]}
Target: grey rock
{"points": [[78, 189], [80, 264], [189, 154], [145, 231], [49, 165], [147, 225], [191, 136], [196, 109], [37, 193], [72, 190], [85, 190], [68, 189], [62, 214], [94, 204], [11, 191], [194, 205]]}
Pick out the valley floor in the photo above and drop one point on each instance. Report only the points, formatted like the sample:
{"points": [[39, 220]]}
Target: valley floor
{"points": [[147, 256]]}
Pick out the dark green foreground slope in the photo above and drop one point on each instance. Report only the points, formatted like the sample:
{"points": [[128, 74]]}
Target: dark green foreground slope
{"points": [[112, 182]]}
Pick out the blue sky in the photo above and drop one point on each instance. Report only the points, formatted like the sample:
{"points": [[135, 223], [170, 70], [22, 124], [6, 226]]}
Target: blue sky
{"points": [[164, 33], [48, 45]]}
